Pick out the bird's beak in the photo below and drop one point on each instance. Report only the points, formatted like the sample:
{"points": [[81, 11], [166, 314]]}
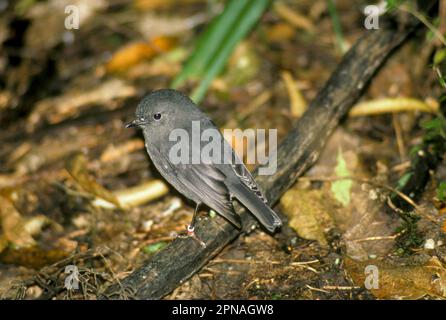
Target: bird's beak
{"points": [[132, 124]]}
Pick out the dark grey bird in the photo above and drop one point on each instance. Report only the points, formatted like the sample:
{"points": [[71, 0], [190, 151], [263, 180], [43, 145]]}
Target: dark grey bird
{"points": [[214, 183]]}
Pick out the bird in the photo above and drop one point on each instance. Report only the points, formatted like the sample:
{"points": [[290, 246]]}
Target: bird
{"points": [[215, 183]]}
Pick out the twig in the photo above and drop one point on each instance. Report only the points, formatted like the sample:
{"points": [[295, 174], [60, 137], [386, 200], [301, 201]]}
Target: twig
{"points": [[341, 288], [296, 19], [426, 22], [316, 289], [261, 262], [399, 136], [297, 101]]}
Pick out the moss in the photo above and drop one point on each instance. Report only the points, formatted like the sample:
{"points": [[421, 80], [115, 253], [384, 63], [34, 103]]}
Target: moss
{"points": [[410, 238]]}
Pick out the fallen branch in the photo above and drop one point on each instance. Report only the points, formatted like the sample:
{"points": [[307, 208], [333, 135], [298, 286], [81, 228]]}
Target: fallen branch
{"points": [[170, 267]]}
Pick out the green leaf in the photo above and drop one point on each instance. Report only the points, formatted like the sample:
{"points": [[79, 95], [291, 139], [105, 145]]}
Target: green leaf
{"points": [[439, 56], [435, 128], [218, 41], [152, 248], [442, 82], [340, 41], [393, 4], [208, 43], [415, 149], [22, 6], [404, 180], [441, 191], [341, 188], [276, 296]]}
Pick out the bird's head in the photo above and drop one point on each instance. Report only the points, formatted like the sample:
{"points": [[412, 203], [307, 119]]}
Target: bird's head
{"points": [[165, 108]]}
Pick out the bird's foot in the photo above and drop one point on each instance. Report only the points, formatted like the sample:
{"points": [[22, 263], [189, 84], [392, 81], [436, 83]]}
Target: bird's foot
{"points": [[190, 233]]}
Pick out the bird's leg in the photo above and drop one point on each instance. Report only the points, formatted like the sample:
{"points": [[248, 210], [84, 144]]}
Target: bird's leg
{"points": [[191, 227]]}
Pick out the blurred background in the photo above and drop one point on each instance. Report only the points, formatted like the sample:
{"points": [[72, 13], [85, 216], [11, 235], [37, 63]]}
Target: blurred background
{"points": [[77, 188]]}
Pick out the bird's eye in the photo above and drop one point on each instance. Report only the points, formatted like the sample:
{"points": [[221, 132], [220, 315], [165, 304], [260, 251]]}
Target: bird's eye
{"points": [[157, 116]]}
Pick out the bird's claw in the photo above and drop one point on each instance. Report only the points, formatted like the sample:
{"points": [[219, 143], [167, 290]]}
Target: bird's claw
{"points": [[190, 230], [190, 233]]}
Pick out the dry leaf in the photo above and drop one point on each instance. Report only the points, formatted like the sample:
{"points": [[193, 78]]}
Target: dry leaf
{"points": [[310, 213], [367, 229], [298, 105], [33, 257], [77, 167], [132, 54], [113, 152], [153, 25], [401, 282], [137, 195], [156, 4], [280, 32], [59, 108], [13, 225]]}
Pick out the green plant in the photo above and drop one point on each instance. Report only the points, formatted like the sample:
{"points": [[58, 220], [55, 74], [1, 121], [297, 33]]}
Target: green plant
{"points": [[441, 191], [393, 4], [435, 136], [410, 237], [217, 42], [336, 26], [425, 155]]}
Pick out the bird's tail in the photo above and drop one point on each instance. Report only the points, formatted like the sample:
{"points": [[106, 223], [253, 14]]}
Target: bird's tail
{"points": [[267, 217]]}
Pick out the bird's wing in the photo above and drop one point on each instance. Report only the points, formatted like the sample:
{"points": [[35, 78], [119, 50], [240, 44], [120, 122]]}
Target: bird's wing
{"points": [[245, 176], [249, 194], [207, 183], [238, 166]]}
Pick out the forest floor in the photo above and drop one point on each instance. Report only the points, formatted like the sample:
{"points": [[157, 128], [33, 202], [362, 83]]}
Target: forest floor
{"points": [[66, 158]]}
